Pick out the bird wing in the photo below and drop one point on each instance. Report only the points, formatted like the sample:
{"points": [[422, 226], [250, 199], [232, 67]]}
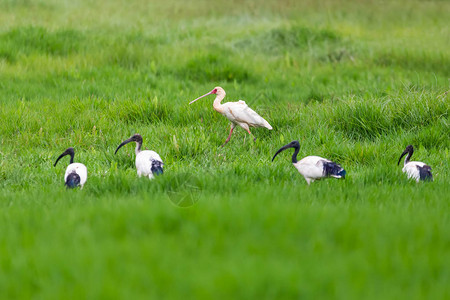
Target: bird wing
{"points": [[330, 168], [411, 170], [417, 170], [240, 112], [311, 166], [154, 156], [425, 172], [144, 161]]}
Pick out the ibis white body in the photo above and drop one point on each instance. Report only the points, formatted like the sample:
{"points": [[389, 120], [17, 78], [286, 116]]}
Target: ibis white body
{"points": [[79, 169], [145, 160], [315, 168], [412, 169]]}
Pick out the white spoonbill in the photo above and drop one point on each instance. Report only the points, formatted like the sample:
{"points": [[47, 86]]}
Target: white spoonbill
{"points": [[148, 163], [76, 173], [415, 169], [313, 167], [237, 112]]}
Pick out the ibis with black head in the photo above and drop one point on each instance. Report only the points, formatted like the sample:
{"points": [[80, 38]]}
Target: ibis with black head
{"points": [[416, 170], [313, 167], [148, 162], [76, 173]]}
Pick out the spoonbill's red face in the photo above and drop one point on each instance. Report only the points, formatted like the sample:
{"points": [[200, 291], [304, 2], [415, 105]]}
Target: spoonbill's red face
{"points": [[214, 91]]}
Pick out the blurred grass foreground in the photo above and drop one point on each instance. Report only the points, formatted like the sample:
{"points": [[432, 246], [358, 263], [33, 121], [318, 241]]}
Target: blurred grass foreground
{"points": [[353, 81]]}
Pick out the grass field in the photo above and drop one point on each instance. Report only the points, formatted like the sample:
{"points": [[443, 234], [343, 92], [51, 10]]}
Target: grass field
{"points": [[353, 81]]}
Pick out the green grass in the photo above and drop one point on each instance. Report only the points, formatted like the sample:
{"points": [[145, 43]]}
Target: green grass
{"points": [[352, 81]]}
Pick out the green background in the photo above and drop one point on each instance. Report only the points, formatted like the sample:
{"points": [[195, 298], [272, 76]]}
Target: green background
{"points": [[353, 81]]}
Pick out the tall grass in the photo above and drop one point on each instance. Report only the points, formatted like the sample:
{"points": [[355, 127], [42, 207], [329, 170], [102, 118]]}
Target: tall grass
{"points": [[354, 82]]}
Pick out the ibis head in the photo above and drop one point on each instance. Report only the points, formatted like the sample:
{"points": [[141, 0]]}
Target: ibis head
{"points": [[69, 151], [137, 138], [293, 144], [408, 150]]}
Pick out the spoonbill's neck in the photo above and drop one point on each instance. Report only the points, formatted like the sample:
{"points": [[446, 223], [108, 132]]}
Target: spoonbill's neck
{"points": [[217, 105]]}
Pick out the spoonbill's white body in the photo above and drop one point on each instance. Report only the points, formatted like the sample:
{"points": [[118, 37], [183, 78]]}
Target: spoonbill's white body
{"points": [[76, 173], [148, 162], [313, 167], [415, 169], [239, 113]]}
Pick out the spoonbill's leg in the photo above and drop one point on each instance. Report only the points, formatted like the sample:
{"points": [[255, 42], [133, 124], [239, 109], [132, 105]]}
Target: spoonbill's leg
{"points": [[229, 136], [254, 137]]}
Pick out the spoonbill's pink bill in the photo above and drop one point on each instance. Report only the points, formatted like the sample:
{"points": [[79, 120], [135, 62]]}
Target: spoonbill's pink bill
{"points": [[237, 112]]}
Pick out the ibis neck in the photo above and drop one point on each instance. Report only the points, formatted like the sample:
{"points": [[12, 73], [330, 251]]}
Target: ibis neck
{"points": [[294, 155], [217, 105], [138, 148], [410, 153], [72, 155]]}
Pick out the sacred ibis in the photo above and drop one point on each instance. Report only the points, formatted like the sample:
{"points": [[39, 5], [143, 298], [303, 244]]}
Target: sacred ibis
{"points": [[415, 169], [76, 173], [148, 163], [313, 167], [237, 112]]}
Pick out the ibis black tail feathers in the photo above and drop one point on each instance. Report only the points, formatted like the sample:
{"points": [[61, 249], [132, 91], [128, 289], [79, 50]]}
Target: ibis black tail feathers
{"points": [[425, 173], [72, 180], [157, 167], [332, 169]]}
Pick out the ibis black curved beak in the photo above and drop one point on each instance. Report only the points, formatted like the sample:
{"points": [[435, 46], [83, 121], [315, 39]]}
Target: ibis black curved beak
{"points": [[68, 151], [282, 149], [401, 156], [124, 143]]}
